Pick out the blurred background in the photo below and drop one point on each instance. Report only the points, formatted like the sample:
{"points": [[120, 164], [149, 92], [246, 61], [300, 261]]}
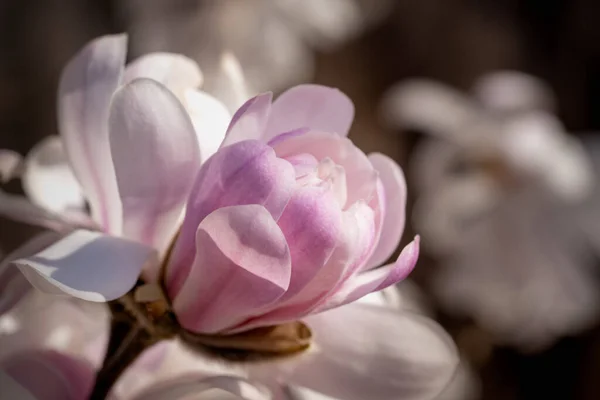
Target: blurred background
{"points": [[491, 107]]}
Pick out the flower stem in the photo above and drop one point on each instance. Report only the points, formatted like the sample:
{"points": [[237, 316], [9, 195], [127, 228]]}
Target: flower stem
{"points": [[128, 339]]}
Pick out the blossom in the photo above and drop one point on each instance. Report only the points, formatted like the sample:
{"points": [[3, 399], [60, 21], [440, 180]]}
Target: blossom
{"points": [[286, 221], [502, 189], [291, 209], [274, 40]]}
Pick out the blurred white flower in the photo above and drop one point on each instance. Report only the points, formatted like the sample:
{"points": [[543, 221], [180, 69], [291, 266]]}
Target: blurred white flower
{"points": [[273, 39], [505, 202]]}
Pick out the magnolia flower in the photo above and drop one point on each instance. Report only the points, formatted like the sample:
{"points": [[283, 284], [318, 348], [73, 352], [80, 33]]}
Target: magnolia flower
{"points": [[273, 39], [286, 221], [500, 183]]}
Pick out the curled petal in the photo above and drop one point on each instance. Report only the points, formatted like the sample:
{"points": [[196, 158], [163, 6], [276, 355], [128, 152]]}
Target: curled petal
{"points": [[242, 265], [363, 178], [250, 120], [376, 279], [177, 72], [87, 265], [48, 179], [147, 119], [388, 355], [393, 208], [353, 247], [244, 173], [49, 375], [317, 107], [86, 88], [183, 387], [210, 119]]}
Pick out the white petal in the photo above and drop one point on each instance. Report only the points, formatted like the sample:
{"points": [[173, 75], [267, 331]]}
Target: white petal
{"points": [[513, 91], [87, 265], [48, 179], [177, 72], [388, 355], [9, 164], [86, 88], [301, 393], [228, 83], [237, 388], [146, 119], [19, 208], [210, 118]]}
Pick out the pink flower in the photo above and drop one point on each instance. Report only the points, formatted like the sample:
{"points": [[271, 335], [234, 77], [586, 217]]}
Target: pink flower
{"points": [[287, 219]]}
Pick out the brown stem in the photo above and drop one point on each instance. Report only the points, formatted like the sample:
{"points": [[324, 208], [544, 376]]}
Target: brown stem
{"points": [[128, 339]]}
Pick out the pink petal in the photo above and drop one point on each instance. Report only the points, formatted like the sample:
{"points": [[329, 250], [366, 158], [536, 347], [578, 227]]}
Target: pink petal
{"points": [[10, 161], [350, 253], [13, 284], [175, 71], [86, 88], [376, 279], [312, 226], [244, 173], [210, 119], [250, 120], [49, 375], [362, 177], [388, 355], [48, 179], [394, 207], [242, 264], [147, 119], [317, 107], [87, 265], [183, 387]]}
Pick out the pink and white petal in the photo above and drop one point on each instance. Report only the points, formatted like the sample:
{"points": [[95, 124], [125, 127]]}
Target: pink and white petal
{"points": [[223, 386], [13, 284], [87, 265], [175, 71], [376, 279], [349, 255], [48, 179], [11, 389], [317, 107], [363, 177], [210, 118], [389, 355], [10, 161], [250, 120], [85, 91], [242, 264], [393, 208], [49, 375], [244, 173], [20, 209], [147, 119]]}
